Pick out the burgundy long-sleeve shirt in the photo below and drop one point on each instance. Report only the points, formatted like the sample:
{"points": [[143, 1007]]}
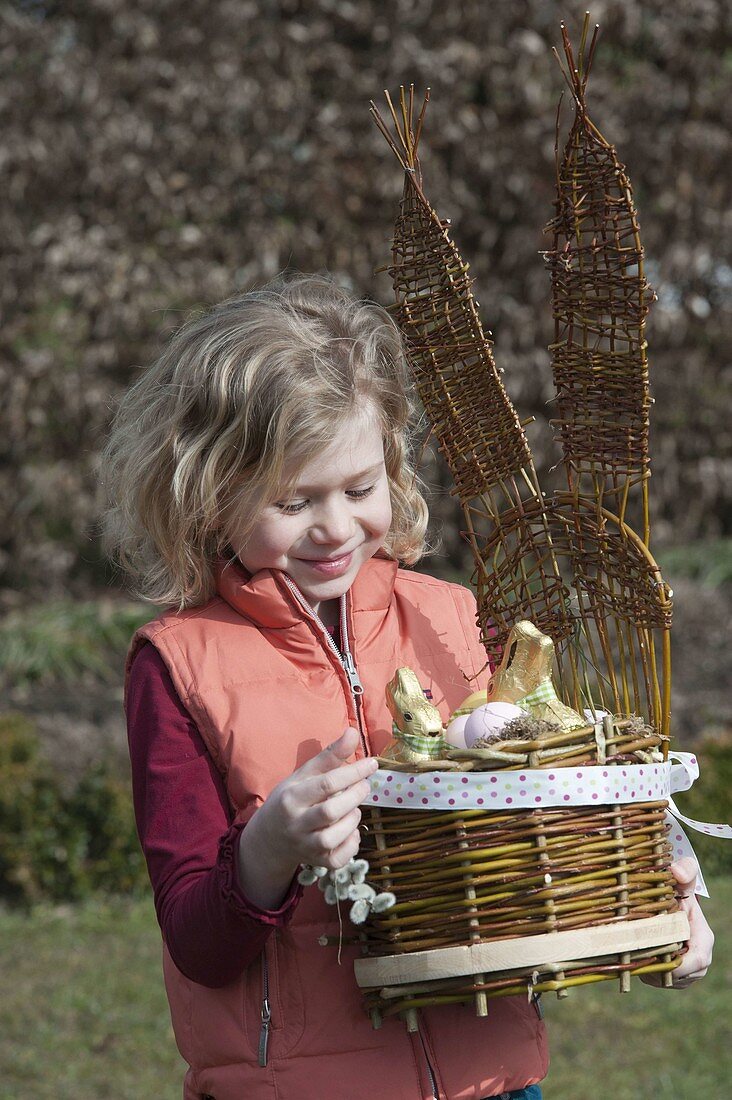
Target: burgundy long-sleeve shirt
{"points": [[188, 835]]}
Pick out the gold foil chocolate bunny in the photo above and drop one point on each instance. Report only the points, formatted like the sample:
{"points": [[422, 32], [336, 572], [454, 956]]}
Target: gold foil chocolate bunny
{"points": [[524, 678], [417, 727]]}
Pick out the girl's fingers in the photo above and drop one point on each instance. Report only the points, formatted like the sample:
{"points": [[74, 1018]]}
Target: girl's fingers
{"points": [[698, 955], [332, 809], [330, 839], [328, 773], [348, 850], [347, 775], [317, 788], [692, 968], [326, 847], [685, 872], [321, 798]]}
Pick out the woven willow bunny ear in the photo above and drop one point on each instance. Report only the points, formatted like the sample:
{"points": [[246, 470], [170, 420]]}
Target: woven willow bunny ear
{"points": [[601, 299], [478, 430], [571, 565]]}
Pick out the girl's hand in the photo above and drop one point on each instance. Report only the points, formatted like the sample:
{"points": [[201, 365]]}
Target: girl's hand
{"points": [[698, 955], [310, 817]]}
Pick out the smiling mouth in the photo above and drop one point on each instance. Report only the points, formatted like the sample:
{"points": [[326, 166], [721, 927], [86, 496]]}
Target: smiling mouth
{"points": [[329, 561], [329, 565]]}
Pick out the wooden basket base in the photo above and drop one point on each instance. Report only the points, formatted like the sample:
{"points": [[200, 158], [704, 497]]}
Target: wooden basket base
{"points": [[556, 961], [523, 953]]}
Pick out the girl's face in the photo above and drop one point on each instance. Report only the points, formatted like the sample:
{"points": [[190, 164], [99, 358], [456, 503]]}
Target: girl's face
{"points": [[321, 532]]}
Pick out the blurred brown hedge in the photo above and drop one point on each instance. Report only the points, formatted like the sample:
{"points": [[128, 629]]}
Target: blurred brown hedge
{"points": [[157, 155]]}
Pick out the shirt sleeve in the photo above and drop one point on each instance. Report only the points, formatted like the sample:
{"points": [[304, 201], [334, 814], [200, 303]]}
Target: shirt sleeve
{"points": [[188, 835]]}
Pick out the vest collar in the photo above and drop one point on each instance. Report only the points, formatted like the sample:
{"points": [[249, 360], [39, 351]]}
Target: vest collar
{"points": [[265, 599]]}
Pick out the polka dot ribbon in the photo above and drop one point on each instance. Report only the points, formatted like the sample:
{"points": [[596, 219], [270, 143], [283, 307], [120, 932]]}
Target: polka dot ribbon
{"points": [[540, 788], [684, 771]]}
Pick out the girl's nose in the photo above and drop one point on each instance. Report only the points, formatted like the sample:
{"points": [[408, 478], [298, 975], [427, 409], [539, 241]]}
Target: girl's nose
{"points": [[333, 525]]}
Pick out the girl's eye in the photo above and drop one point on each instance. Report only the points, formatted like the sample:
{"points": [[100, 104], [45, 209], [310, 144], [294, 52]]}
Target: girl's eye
{"points": [[291, 509]]}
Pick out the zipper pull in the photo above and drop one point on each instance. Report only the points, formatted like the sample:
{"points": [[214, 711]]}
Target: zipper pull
{"points": [[264, 1033], [352, 673]]}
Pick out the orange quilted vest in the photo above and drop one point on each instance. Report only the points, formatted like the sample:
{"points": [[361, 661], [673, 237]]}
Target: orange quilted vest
{"points": [[267, 692]]}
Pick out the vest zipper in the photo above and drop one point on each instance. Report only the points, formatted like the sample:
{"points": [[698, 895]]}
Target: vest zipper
{"points": [[346, 661], [266, 1012], [344, 655], [352, 673], [430, 1071]]}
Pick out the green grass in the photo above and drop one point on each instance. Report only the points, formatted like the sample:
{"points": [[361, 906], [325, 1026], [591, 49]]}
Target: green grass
{"points": [[709, 562], [670, 1044], [83, 1016], [61, 639]]}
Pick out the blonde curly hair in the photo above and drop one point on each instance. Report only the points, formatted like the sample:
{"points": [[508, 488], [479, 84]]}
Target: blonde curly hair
{"points": [[258, 383]]}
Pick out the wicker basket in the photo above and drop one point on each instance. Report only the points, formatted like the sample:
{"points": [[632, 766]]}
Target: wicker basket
{"points": [[492, 903]]}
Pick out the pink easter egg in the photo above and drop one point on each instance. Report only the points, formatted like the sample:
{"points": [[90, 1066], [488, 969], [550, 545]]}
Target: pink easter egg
{"points": [[455, 732], [488, 721]]}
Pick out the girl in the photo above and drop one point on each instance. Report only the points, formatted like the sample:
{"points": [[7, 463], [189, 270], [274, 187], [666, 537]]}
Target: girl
{"points": [[263, 490]]}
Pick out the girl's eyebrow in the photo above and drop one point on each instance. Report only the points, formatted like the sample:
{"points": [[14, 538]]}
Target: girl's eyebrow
{"points": [[368, 472]]}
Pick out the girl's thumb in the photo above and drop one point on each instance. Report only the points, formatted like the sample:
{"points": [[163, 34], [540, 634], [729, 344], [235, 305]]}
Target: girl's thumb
{"points": [[346, 744], [333, 755], [685, 871]]}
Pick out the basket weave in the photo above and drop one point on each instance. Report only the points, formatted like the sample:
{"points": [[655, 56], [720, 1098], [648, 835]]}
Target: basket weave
{"points": [[477, 877], [571, 564]]}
